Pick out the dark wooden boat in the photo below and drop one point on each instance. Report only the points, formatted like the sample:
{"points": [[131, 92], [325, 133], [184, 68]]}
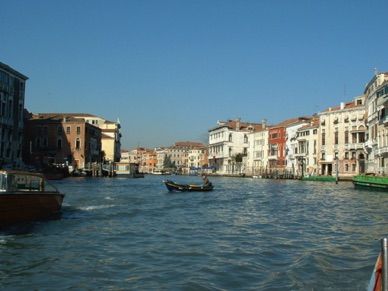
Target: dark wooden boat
{"points": [[26, 196], [174, 187]]}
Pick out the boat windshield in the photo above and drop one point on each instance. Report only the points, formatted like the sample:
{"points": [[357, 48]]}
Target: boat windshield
{"points": [[25, 182]]}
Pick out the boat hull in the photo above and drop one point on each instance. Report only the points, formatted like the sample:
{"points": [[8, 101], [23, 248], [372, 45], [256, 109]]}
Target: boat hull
{"points": [[319, 178], [370, 182], [174, 187], [129, 175], [18, 208]]}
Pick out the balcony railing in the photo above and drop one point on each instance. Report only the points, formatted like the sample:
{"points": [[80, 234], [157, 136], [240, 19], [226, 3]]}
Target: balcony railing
{"points": [[372, 116], [384, 120], [382, 151], [354, 146]]}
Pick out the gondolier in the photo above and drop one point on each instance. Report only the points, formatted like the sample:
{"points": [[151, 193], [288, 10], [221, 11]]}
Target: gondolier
{"points": [[206, 181]]}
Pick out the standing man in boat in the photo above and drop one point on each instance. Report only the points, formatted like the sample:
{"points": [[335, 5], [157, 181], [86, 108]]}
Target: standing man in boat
{"points": [[206, 181]]}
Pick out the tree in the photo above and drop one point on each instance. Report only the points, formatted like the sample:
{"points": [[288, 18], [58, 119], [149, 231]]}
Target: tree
{"points": [[167, 164]]}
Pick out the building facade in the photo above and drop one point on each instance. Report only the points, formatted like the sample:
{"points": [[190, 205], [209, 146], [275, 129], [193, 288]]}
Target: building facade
{"points": [[342, 139], [12, 97], [228, 145], [61, 139], [376, 122], [111, 135]]}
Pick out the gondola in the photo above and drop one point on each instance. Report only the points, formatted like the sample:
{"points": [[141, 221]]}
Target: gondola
{"points": [[174, 187]]}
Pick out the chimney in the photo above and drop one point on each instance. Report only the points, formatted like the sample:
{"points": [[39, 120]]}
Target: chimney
{"points": [[264, 123], [342, 106], [238, 123]]}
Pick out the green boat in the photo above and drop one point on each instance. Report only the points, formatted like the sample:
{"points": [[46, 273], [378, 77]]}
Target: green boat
{"points": [[319, 178], [370, 182]]}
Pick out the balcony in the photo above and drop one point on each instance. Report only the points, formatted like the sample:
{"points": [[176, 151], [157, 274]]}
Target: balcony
{"points": [[373, 116], [384, 120], [382, 151], [354, 146], [273, 157]]}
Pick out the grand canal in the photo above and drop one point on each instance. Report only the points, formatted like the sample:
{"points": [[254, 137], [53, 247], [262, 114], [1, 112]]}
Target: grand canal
{"points": [[248, 234]]}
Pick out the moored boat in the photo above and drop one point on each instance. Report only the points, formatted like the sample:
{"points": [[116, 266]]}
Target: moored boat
{"points": [[128, 170], [26, 196], [174, 187], [370, 182], [322, 178]]}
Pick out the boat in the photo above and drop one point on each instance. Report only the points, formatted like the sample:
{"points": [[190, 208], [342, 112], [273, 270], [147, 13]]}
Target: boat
{"points": [[322, 178], [27, 197], [378, 280], [174, 187], [370, 182], [128, 170]]}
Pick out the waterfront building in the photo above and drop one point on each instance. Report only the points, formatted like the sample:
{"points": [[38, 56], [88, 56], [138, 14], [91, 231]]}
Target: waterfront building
{"points": [[12, 97], [280, 144], [183, 154], [110, 138], [257, 158], [376, 92], [342, 139], [229, 144], [197, 156], [144, 157], [52, 138], [292, 146], [161, 153], [305, 153]]}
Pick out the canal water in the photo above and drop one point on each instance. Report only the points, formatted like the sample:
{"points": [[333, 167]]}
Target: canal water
{"points": [[248, 234]]}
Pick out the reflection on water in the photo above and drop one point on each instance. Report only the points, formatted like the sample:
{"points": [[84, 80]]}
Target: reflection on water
{"points": [[249, 234]]}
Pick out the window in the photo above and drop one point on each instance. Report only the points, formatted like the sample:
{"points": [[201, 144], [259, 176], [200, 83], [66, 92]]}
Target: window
{"points": [[60, 129], [78, 129], [245, 138], [68, 129], [45, 129], [59, 143], [346, 136], [230, 137], [45, 142], [37, 142], [323, 138], [78, 143], [336, 137]]}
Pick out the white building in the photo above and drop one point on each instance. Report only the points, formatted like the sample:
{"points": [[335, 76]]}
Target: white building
{"points": [[342, 139], [292, 144], [229, 144], [306, 152], [376, 93]]}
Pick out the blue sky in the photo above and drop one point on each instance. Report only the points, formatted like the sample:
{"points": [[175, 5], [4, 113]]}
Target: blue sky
{"points": [[169, 69]]}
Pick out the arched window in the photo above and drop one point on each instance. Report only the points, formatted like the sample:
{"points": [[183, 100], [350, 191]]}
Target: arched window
{"points": [[245, 138], [230, 137]]}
